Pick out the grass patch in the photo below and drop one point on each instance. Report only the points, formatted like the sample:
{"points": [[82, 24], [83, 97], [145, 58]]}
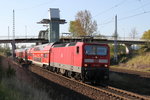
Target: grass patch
{"points": [[140, 62], [14, 89], [7, 93]]}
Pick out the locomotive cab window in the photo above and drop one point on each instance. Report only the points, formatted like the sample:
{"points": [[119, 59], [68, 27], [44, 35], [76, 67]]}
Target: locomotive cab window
{"points": [[95, 50], [77, 50]]}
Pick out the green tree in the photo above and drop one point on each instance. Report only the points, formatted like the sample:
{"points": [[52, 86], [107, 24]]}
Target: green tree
{"points": [[5, 50], [83, 24], [146, 35], [76, 29]]}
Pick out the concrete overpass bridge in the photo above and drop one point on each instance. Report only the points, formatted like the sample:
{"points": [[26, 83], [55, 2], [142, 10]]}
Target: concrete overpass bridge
{"points": [[36, 39], [120, 40], [110, 40], [25, 40], [21, 40]]}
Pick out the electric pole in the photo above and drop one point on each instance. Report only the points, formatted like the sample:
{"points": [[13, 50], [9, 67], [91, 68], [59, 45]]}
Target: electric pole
{"points": [[8, 32], [13, 24], [13, 42], [25, 31], [115, 41]]}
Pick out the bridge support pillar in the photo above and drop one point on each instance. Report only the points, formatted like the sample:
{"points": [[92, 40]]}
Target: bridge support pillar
{"points": [[13, 49], [128, 48]]}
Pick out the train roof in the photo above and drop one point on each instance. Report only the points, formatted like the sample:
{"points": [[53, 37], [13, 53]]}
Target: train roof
{"points": [[42, 47], [57, 44], [21, 49], [72, 44]]}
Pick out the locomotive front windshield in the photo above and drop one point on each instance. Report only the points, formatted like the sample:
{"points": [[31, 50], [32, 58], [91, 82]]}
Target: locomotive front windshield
{"points": [[95, 50]]}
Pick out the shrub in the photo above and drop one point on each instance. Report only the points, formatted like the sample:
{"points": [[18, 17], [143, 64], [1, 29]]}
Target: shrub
{"points": [[14, 89], [1, 73], [10, 72]]}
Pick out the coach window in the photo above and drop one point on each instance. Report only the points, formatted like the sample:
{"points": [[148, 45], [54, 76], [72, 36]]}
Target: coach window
{"points": [[45, 55], [77, 50]]}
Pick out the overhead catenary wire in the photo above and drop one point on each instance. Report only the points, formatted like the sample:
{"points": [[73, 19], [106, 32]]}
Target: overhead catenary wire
{"points": [[110, 21], [141, 5], [115, 6], [23, 10], [38, 5], [127, 17], [138, 14]]}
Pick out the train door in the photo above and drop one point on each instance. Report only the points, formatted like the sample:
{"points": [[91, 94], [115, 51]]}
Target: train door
{"points": [[51, 59]]}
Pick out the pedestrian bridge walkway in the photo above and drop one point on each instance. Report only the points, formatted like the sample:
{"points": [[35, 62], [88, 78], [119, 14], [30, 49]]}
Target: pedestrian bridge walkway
{"points": [[101, 39]]}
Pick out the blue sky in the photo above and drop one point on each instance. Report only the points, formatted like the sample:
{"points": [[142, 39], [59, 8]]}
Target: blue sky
{"points": [[29, 12]]}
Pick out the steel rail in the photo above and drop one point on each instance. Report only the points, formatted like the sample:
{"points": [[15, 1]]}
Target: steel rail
{"points": [[127, 93], [45, 73]]}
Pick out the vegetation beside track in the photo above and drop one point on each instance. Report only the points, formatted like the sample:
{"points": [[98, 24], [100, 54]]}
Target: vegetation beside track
{"points": [[138, 60], [11, 88]]}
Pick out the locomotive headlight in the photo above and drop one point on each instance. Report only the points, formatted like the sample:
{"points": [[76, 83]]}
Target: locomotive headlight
{"points": [[106, 65], [85, 65]]}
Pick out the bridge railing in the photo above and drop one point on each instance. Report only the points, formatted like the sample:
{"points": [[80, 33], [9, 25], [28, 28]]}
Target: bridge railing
{"points": [[70, 37], [17, 37], [106, 37]]}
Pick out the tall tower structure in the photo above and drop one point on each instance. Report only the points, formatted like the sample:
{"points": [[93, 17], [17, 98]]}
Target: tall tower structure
{"points": [[53, 23]]}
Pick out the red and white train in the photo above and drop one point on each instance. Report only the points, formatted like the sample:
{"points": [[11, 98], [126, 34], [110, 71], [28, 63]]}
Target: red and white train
{"points": [[86, 61]]}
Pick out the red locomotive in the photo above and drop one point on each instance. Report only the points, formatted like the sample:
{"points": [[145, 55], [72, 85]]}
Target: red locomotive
{"points": [[86, 61]]}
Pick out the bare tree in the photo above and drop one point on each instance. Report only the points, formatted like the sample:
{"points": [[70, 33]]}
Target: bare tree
{"points": [[133, 33], [23, 46]]}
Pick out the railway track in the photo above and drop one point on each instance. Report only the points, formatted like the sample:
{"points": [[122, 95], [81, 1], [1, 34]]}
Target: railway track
{"points": [[128, 95], [133, 72], [97, 93]]}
